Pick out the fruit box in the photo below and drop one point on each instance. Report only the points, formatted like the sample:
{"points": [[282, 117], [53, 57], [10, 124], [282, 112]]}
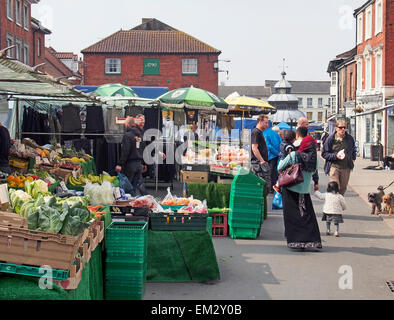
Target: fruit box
{"points": [[65, 173], [75, 276], [195, 176], [30, 247], [11, 219], [96, 230]]}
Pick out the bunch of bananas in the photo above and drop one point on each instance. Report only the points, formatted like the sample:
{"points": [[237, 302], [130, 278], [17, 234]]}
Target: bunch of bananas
{"points": [[82, 179]]}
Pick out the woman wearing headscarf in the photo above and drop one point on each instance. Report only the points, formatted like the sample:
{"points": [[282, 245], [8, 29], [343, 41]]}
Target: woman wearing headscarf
{"points": [[301, 227]]}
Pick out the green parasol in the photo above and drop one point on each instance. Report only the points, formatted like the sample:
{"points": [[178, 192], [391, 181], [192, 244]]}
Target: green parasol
{"points": [[115, 90], [193, 98]]}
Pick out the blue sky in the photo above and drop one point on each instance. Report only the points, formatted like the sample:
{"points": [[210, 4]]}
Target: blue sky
{"points": [[254, 34]]}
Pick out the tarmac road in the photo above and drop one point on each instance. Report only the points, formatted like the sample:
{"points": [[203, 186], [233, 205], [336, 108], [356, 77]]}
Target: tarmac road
{"points": [[266, 269]]}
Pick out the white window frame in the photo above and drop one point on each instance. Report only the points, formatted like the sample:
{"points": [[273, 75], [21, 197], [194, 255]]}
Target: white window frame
{"points": [[307, 102], [368, 23], [359, 75], [360, 28], [18, 49], [10, 10], [378, 70], [378, 17], [26, 53], [319, 105], [368, 73], [300, 101], [38, 47], [190, 66], [113, 63], [334, 76], [18, 13], [26, 17], [321, 114], [10, 41]]}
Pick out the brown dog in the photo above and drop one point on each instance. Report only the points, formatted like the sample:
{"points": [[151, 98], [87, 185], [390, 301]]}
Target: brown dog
{"points": [[388, 203]]}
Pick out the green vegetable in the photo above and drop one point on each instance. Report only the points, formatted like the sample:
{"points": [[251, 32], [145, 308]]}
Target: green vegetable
{"points": [[36, 188], [50, 219], [75, 219]]}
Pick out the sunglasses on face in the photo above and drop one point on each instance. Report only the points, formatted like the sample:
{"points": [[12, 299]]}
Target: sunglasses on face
{"points": [[341, 127]]}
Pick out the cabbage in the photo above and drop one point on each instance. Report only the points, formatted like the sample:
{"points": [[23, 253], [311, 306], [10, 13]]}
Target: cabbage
{"points": [[36, 188], [100, 194]]}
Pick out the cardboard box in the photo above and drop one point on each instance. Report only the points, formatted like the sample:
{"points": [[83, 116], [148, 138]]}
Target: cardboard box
{"points": [[74, 279], [194, 176], [96, 230], [30, 247], [11, 219], [224, 180]]}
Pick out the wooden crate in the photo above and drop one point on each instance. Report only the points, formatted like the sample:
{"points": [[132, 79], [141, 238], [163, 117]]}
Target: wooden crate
{"points": [[194, 176]]}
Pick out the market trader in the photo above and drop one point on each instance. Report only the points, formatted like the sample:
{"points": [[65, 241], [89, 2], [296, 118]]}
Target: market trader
{"points": [[5, 143], [259, 160], [190, 135], [130, 161]]}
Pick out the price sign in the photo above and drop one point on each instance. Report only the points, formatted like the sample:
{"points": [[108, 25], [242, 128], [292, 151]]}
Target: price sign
{"points": [[52, 155], [38, 160], [117, 193], [63, 186], [46, 161], [4, 198], [189, 168], [74, 173]]}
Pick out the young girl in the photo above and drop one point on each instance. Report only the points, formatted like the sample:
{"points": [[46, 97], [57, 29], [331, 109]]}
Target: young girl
{"points": [[333, 207]]}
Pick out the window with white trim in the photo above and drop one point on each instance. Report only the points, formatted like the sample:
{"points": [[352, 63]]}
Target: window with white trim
{"points": [[189, 66], [10, 9], [368, 23], [26, 54], [360, 28], [309, 116], [309, 102], [378, 68], [113, 66], [18, 12], [300, 102], [378, 16], [320, 116], [26, 17], [10, 42], [368, 73], [18, 49], [359, 76], [320, 102], [333, 79]]}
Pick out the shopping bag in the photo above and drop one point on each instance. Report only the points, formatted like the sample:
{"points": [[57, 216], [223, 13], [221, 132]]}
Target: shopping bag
{"points": [[277, 201], [125, 184]]}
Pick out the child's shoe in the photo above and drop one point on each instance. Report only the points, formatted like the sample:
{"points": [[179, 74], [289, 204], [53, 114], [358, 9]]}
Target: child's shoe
{"points": [[336, 234], [328, 232]]}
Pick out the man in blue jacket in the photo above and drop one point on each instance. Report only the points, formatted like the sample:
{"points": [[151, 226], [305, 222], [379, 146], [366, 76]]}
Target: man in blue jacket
{"points": [[273, 141], [339, 151]]}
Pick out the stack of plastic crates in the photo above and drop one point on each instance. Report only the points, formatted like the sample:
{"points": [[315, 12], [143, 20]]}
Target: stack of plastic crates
{"points": [[246, 205], [125, 264]]}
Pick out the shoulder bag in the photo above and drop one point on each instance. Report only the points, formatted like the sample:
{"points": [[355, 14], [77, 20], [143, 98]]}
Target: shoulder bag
{"points": [[291, 176]]}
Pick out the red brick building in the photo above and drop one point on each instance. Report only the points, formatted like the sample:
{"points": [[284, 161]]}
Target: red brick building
{"points": [[18, 28], [375, 74], [152, 54]]}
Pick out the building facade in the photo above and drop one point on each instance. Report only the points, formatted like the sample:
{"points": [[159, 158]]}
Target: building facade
{"points": [[313, 98], [152, 54], [375, 75]]}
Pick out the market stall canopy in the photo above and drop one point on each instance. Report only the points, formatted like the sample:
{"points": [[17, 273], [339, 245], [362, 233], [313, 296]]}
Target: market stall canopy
{"points": [[20, 80], [192, 98], [240, 104], [114, 90], [283, 126]]}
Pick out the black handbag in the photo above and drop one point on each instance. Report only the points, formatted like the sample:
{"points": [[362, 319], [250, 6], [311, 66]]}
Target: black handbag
{"points": [[291, 176]]}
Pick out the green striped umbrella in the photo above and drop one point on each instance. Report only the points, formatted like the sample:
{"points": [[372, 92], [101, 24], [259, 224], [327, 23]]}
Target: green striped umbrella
{"points": [[115, 90], [193, 98]]}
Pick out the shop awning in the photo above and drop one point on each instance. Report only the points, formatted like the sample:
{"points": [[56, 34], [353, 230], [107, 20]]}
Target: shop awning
{"points": [[20, 80]]}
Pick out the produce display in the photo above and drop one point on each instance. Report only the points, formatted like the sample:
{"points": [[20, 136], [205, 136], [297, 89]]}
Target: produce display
{"points": [[83, 179], [100, 194]]}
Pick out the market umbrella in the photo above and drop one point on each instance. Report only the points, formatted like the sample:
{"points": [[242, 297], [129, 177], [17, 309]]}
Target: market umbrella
{"points": [[114, 90], [253, 106], [192, 98], [283, 126]]}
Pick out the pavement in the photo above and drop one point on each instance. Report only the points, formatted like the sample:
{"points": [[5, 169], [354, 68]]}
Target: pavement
{"points": [[355, 266], [362, 181]]}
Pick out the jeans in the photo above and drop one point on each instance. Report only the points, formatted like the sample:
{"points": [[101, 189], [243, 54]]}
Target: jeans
{"points": [[263, 171]]}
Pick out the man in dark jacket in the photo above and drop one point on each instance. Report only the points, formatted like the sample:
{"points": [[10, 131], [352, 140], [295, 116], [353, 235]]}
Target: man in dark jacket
{"points": [[339, 151], [130, 161], [5, 143]]}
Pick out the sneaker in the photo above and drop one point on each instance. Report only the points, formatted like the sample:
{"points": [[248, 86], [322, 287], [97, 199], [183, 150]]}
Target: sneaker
{"points": [[276, 188], [336, 234], [328, 232]]}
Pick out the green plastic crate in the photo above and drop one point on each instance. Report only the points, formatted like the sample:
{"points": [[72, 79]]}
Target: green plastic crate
{"points": [[178, 222], [33, 271], [209, 225], [244, 233], [174, 208]]}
